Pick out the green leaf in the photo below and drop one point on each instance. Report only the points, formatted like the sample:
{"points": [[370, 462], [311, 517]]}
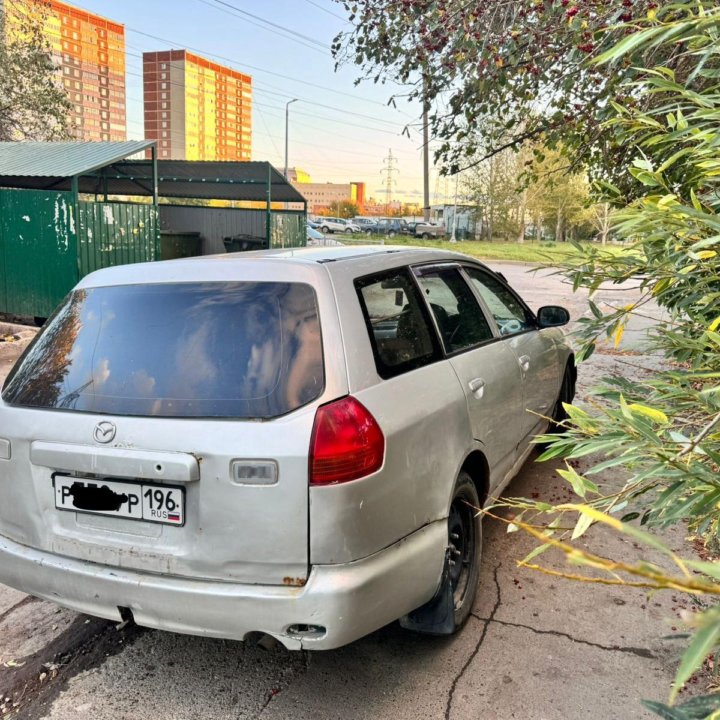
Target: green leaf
{"points": [[702, 643], [581, 526], [580, 485], [698, 708], [535, 552], [628, 44], [595, 309], [652, 413], [665, 711]]}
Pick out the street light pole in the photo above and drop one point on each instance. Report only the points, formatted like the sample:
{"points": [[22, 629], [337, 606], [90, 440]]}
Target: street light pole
{"points": [[453, 238], [287, 121]]}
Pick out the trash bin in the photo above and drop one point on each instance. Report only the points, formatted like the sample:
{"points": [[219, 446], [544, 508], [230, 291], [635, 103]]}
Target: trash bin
{"points": [[243, 243], [175, 245]]}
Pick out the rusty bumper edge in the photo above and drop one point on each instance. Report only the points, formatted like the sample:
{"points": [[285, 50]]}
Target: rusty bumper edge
{"points": [[349, 600]]}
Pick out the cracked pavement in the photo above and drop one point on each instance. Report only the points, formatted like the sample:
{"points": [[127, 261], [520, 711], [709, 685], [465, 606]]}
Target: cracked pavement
{"points": [[535, 646]]}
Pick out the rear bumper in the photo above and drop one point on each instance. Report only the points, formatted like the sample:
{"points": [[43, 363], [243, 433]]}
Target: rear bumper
{"points": [[349, 600]]}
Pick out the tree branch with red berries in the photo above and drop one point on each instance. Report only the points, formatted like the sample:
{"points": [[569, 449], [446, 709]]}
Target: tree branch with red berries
{"points": [[500, 72]]}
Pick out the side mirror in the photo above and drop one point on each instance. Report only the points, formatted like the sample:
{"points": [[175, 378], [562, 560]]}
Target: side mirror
{"points": [[552, 316]]}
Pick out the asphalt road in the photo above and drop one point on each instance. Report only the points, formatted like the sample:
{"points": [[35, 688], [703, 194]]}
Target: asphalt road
{"points": [[535, 646]]}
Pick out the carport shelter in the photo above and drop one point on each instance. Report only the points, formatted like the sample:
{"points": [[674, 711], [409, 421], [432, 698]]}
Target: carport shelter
{"points": [[68, 208]]}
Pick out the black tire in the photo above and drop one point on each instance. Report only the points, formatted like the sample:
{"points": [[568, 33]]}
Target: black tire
{"points": [[566, 395], [324, 230], [426, 236], [392, 234], [464, 546], [368, 233]]}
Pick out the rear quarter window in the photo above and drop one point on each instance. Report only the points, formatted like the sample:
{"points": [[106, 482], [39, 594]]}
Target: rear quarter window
{"points": [[207, 349], [398, 325]]}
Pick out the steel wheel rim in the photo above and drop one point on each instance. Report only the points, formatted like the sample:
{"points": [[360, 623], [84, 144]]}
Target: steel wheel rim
{"points": [[461, 546]]}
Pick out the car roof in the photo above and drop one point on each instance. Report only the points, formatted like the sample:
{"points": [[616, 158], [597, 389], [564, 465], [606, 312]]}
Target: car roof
{"points": [[270, 263]]}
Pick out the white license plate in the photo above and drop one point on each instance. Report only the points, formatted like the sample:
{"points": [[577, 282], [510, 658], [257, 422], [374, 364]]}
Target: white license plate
{"points": [[138, 501]]}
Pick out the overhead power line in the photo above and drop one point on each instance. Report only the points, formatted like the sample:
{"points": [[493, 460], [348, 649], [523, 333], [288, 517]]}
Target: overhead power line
{"points": [[343, 122], [325, 10], [280, 92], [260, 91], [272, 24], [235, 12], [255, 68]]}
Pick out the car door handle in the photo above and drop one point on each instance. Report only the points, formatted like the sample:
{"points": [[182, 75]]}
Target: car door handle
{"points": [[524, 361], [477, 387]]}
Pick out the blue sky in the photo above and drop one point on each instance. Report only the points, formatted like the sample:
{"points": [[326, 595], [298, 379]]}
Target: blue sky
{"points": [[346, 140]]}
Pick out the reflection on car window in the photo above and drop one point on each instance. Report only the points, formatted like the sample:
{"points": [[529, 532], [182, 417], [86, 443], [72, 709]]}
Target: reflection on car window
{"points": [[510, 315], [457, 313], [399, 331], [240, 349]]}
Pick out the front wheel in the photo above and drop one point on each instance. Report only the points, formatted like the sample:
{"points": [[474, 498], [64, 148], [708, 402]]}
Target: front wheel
{"points": [[426, 236], [565, 397], [324, 229]]}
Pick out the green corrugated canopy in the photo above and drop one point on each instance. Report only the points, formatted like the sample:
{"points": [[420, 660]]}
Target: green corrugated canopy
{"points": [[63, 159], [120, 168]]}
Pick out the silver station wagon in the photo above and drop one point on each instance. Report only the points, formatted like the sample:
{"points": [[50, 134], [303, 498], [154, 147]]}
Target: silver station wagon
{"points": [[292, 443]]}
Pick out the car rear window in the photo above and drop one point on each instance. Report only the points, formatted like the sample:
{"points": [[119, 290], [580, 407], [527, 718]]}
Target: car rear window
{"points": [[211, 349]]}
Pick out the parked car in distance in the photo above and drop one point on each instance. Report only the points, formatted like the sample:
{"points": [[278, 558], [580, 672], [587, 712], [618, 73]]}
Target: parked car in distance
{"points": [[288, 442], [314, 236], [316, 239], [388, 226], [364, 222], [333, 225], [429, 230]]}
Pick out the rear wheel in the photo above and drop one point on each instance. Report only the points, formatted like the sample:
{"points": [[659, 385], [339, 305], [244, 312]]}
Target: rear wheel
{"points": [[368, 233], [450, 607], [464, 546], [426, 236], [392, 234]]}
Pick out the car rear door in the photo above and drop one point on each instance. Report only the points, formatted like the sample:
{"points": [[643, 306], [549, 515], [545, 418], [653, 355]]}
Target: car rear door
{"points": [[208, 389], [486, 367], [534, 349]]}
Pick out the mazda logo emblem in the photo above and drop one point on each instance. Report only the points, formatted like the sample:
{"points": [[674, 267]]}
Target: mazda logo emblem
{"points": [[104, 432]]}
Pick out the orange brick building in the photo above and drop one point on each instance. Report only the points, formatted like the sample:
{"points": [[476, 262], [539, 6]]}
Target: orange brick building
{"points": [[90, 51], [196, 109]]}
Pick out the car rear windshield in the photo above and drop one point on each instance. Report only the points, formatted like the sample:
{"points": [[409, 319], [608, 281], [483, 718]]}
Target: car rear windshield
{"points": [[211, 349]]}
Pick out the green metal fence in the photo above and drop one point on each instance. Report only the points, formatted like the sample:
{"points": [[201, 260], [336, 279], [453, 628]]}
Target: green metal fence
{"points": [[38, 250], [48, 242], [116, 234], [288, 229]]}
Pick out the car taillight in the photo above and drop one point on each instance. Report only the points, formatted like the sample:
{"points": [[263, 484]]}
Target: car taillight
{"points": [[346, 444]]}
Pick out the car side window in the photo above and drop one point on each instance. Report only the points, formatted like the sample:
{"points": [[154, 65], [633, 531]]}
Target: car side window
{"points": [[399, 327], [509, 313], [459, 317]]}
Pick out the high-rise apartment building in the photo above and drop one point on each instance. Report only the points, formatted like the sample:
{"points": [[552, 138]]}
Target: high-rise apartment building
{"points": [[196, 109], [90, 52]]}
